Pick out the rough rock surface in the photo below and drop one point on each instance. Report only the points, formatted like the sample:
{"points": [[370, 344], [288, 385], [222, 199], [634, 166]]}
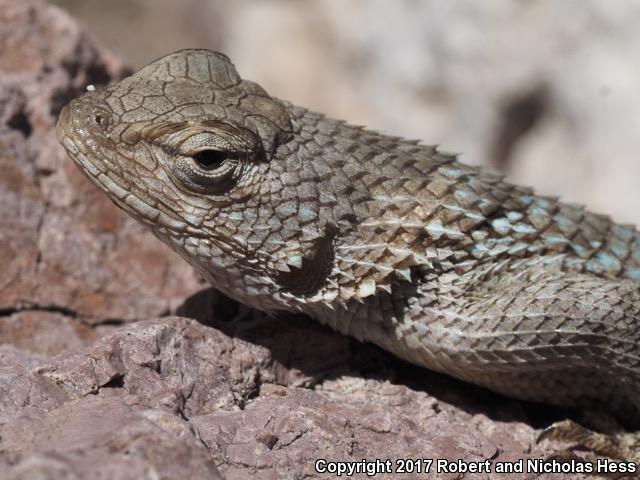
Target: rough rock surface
{"points": [[216, 392]]}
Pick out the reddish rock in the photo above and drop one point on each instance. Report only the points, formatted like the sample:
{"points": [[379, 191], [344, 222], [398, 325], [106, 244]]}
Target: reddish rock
{"points": [[63, 245]]}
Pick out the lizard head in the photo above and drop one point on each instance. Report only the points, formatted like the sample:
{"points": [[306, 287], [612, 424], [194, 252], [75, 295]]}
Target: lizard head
{"points": [[276, 206], [185, 146]]}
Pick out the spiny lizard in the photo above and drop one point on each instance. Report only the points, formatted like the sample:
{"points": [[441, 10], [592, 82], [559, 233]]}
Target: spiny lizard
{"points": [[383, 239]]}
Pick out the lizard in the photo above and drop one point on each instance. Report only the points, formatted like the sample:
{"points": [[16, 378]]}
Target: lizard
{"points": [[386, 240]]}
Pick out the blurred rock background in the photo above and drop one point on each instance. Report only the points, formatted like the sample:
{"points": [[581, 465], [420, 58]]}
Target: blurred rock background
{"points": [[547, 91]]}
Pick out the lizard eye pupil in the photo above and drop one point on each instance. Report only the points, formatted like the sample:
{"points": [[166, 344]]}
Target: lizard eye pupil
{"points": [[99, 119], [210, 159]]}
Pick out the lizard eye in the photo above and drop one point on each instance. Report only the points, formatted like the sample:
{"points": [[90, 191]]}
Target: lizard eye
{"points": [[207, 170], [210, 159]]}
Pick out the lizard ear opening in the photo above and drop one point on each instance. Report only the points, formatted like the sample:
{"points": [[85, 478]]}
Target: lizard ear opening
{"points": [[313, 270]]}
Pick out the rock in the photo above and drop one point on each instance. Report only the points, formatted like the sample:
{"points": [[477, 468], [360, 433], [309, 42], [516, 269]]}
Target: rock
{"points": [[63, 245], [184, 399], [45, 333], [86, 391], [104, 438]]}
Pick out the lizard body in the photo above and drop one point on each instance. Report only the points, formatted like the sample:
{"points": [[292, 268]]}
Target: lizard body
{"points": [[383, 239]]}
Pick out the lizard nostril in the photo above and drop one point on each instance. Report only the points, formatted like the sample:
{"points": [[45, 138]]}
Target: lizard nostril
{"points": [[98, 120]]}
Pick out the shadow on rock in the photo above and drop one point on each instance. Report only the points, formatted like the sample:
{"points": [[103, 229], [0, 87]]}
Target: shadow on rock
{"points": [[314, 354]]}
